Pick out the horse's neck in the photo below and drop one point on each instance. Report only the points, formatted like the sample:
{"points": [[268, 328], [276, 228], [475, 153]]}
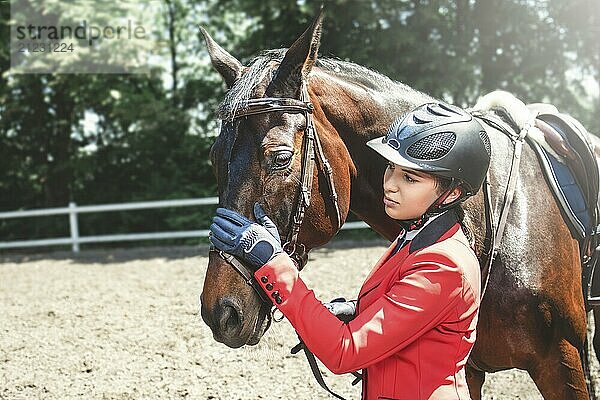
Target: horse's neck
{"points": [[360, 113]]}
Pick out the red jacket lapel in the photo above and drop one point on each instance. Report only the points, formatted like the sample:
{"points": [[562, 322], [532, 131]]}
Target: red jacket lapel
{"points": [[444, 227], [383, 267]]}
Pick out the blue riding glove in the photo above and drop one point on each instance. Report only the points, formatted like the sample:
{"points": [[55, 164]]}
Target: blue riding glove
{"points": [[254, 243]]}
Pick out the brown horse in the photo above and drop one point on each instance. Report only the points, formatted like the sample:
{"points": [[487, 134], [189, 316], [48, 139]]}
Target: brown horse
{"points": [[532, 316]]}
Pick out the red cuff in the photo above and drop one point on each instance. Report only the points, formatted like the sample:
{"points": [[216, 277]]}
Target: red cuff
{"points": [[277, 278]]}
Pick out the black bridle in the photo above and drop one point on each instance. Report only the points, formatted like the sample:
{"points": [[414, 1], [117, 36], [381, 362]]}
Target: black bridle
{"points": [[311, 150]]}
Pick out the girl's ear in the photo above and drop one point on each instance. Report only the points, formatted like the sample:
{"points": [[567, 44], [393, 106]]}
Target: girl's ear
{"points": [[455, 194]]}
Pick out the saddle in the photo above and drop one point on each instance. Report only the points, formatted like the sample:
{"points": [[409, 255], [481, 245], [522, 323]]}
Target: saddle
{"points": [[571, 171], [573, 176]]}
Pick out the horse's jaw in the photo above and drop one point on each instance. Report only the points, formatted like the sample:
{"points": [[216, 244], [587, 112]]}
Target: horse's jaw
{"points": [[262, 324]]}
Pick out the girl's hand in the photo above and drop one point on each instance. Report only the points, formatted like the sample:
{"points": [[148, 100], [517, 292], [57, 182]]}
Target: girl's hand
{"points": [[256, 244]]}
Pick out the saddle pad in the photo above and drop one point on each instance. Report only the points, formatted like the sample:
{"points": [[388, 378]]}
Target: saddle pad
{"points": [[586, 165], [567, 193]]}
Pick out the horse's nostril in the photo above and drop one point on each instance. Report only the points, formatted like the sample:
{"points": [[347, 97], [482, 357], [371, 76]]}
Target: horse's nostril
{"points": [[229, 318]]}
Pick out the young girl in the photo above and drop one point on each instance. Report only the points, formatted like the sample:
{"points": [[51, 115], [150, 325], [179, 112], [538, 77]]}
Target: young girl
{"points": [[414, 323]]}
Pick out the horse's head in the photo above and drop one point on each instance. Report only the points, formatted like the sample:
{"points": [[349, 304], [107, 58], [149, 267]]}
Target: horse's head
{"points": [[259, 157]]}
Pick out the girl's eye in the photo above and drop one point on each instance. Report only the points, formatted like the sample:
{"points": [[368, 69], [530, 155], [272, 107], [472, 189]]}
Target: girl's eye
{"points": [[408, 178]]}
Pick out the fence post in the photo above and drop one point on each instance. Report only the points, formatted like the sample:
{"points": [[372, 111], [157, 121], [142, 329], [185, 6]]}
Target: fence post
{"points": [[74, 227]]}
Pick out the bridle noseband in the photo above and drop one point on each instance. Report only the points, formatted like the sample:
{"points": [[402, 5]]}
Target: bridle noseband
{"points": [[311, 150]]}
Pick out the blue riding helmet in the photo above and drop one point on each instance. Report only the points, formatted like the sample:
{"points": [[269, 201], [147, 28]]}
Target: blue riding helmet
{"points": [[439, 139]]}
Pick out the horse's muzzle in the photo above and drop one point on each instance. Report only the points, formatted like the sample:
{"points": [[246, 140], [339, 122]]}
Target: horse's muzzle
{"points": [[226, 321]]}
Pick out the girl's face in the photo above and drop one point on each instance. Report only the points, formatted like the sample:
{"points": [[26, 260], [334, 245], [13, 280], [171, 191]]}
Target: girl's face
{"points": [[407, 194]]}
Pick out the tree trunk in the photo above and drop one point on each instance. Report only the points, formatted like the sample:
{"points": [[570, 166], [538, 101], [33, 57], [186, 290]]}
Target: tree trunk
{"points": [[485, 14], [173, 47], [59, 152], [462, 43]]}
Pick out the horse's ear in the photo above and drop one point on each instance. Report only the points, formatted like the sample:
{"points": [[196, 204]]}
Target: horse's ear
{"points": [[225, 64], [298, 61]]}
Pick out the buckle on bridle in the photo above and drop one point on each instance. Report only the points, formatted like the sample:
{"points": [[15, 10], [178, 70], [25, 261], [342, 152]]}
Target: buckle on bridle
{"points": [[277, 318], [289, 248]]}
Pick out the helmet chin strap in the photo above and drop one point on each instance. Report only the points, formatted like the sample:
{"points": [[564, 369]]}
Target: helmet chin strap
{"points": [[435, 208], [412, 224]]}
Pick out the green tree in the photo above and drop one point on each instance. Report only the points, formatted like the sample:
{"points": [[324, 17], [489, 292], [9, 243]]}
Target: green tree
{"points": [[95, 138]]}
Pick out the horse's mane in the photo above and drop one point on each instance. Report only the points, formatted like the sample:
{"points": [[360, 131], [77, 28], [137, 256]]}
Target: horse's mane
{"points": [[258, 68], [359, 74]]}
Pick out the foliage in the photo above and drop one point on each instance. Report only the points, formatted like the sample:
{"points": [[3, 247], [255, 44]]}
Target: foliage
{"points": [[152, 132]]}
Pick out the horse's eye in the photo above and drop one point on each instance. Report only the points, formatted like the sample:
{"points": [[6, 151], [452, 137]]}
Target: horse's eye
{"points": [[282, 159]]}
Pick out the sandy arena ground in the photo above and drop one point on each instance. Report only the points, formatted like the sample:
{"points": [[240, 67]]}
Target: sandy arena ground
{"points": [[124, 324]]}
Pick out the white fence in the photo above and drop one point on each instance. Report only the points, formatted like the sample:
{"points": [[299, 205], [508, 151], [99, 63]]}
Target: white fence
{"points": [[75, 240]]}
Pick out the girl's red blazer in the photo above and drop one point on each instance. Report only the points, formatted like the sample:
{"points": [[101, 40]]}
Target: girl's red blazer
{"points": [[415, 322]]}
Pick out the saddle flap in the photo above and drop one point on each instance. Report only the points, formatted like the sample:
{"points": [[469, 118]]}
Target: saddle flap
{"points": [[584, 166]]}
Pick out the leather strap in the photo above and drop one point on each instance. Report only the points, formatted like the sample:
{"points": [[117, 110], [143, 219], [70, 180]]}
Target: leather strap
{"points": [[312, 149], [494, 235], [243, 271], [306, 179], [517, 140], [327, 170], [489, 242], [266, 105], [310, 357], [510, 187], [312, 362]]}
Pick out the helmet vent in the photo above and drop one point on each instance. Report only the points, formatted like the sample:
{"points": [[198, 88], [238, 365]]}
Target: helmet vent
{"points": [[432, 147], [419, 121], [486, 142]]}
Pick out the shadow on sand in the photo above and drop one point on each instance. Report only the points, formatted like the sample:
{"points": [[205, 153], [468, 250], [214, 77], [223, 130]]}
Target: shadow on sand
{"points": [[120, 255]]}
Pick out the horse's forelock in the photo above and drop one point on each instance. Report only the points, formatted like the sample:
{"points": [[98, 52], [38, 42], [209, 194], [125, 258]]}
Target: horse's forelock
{"points": [[244, 88]]}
